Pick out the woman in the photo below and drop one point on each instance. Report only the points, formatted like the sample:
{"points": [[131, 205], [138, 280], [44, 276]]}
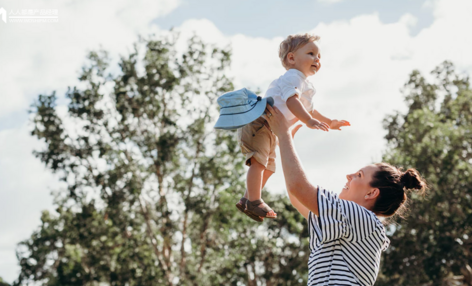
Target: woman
{"points": [[346, 236]]}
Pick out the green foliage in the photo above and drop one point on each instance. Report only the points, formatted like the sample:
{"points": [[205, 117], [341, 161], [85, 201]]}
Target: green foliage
{"points": [[150, 186], [433, 245], [2, 283]]}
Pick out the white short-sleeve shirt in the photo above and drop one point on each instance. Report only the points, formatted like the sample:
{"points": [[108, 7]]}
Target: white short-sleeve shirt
{"points": [[346, 241], [291, 83]]}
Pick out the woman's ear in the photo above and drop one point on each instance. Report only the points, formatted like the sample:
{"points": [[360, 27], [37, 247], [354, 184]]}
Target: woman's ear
{"points": [[373, 194]]}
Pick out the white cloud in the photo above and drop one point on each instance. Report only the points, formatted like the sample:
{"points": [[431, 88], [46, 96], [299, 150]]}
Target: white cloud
{"points": [[330, 1], [37, 56], [25, 187]]}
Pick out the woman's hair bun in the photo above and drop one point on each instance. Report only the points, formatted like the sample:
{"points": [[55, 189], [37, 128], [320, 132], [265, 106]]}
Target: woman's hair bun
{"points": [[411, 179]]}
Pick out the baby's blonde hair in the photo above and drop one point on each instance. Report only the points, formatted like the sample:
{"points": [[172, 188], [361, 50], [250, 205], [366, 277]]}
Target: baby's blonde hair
{"points": [[292, 43]]}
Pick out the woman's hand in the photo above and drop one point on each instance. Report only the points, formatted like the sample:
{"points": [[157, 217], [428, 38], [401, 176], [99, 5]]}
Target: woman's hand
{"points": [[277, 122]]}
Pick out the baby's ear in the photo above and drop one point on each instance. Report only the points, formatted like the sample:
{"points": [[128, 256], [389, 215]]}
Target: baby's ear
{"points": [[290, 57]]}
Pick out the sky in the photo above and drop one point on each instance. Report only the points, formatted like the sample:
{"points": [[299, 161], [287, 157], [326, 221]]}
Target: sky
{"points": [[368, 47]]}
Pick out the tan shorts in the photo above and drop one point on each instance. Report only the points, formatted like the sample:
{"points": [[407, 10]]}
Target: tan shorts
{"points": [[257, 140]]}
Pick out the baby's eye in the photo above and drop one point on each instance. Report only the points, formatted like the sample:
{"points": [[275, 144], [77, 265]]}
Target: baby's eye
{"points": [[310, 53], [359, 174]]}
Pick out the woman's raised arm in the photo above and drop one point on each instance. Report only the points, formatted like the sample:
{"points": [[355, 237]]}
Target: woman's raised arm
{"points": [[299, 206], [295, 177]]}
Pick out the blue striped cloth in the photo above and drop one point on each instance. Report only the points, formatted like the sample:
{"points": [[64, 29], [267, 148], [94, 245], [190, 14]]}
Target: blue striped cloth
{"points": [[346, 241]]}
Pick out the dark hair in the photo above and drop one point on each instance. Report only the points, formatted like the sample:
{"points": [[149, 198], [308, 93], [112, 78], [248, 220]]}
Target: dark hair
{"points": [[394, 185]]}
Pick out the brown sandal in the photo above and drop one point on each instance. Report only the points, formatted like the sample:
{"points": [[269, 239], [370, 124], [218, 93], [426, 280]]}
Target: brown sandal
{"points": [[259, 208], [241, 205]]}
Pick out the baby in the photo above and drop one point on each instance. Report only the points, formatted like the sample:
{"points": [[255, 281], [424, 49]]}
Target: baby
{"points": [[293, 96]]}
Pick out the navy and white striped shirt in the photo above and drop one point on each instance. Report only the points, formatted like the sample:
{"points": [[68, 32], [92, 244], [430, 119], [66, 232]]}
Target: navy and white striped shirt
{"points": [[346, 241]]}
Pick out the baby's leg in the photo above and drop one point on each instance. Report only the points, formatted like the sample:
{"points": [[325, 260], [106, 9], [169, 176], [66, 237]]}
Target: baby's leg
{"points": [[254, 180], [265, 177], [255, 177]]}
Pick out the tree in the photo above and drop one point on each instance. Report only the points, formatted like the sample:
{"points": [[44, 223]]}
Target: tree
{"points": [[151, 187], [2, 283], [433, 245]]}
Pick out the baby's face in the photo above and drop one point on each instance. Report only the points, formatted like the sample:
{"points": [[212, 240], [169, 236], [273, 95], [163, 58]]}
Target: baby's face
{"points": [[306, 59]]}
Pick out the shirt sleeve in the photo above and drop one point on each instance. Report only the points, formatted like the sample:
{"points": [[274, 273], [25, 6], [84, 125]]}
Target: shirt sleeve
{"points": [[290, 85], [341, 219]]}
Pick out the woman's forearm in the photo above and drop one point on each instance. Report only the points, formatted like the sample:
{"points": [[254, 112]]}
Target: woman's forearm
{"points": [[299, 206], [292, 168], [295, 177]]}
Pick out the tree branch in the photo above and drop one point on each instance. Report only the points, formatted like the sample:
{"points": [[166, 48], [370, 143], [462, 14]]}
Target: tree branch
{"points": [[189, 190], [153, 240]]}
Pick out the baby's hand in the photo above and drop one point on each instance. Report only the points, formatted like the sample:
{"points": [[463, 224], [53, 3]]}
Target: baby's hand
{"points": [[337, 124], [315, 124]]}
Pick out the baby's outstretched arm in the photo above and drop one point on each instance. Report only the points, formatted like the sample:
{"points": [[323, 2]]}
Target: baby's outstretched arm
{"points": [[297, 108], [333, 123]]}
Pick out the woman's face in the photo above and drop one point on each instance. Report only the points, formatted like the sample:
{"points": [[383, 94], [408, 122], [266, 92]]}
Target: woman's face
{"points": [[358, 189]]}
